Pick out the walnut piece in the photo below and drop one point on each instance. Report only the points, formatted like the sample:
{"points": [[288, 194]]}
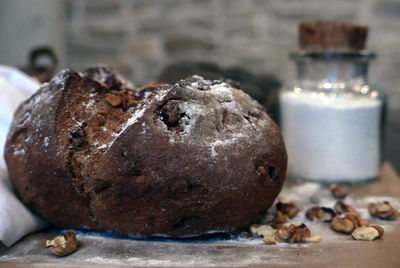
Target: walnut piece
{"points": [[129, 100], [124, 97], [356, 219], [300, 233], [64, 244], [293, 233], [342, 207], [383, 210], [269, 240], [367, 233], [261, 170], [262, 230], [339, 191], [286, 207], [348, 222], [314, 239], [320, 213], [114, 99], [284, 233], [379, 229], [152, 84], [342, 225], [279, 219]]}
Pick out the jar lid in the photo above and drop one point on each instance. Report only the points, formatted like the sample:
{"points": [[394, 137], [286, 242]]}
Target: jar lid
{"points": [[332, 36]]}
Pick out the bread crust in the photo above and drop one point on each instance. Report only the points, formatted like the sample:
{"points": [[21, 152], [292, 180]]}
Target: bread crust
{"points": [[183, 160]]}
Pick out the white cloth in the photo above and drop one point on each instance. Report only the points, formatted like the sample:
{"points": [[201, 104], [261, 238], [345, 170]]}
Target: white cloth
{"points": [[15, 219]]}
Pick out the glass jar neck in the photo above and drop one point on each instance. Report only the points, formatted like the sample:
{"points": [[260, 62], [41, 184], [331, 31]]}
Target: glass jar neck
{"points": [[332, 71]]}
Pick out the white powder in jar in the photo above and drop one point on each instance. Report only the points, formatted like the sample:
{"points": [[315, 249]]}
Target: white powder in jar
{"points": [[331, 138]]}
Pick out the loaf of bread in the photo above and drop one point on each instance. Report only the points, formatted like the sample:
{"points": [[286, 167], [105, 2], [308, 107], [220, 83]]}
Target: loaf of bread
{"points": [[89, 150]]}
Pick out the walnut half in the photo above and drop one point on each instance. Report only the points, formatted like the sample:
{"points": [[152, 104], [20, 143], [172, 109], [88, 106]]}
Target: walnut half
{"points": [[284, 210], [300, 233], [342, 207], [287, 207], [339, 191], [296, 233], [264, 230], [383, 210], [348, 222], [320, 214], [64, 244], [367, 233], [279, 219], [293, 233]]}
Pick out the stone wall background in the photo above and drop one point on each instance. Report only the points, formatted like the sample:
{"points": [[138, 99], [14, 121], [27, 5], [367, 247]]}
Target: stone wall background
{"points": [[140, 37]]}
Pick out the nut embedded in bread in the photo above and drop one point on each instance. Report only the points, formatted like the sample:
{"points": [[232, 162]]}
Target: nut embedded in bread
{"points": [[89, 150]]}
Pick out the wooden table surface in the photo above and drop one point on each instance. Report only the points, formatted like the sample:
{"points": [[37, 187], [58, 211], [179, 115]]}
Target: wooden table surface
{"points": [[335, 250]]}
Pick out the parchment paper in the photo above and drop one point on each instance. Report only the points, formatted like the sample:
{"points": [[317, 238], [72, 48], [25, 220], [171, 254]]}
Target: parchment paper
{"points": [[335, 250]]}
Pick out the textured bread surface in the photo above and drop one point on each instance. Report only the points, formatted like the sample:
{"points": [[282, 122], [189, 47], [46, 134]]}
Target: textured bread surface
{"points": [[89, 150]]}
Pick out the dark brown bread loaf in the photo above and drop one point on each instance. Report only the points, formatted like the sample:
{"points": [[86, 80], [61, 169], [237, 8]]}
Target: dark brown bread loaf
{"points": [[89, 151], [332, 36]]}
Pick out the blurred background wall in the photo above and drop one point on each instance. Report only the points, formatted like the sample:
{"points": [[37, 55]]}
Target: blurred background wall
{"points": [[141, 37]]}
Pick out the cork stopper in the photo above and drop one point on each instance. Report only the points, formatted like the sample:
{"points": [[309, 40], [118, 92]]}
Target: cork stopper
{"points": [[332, 36]]}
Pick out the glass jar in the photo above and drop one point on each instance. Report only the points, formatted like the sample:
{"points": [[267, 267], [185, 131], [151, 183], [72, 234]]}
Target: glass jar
{"points": [[331, 119]]}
